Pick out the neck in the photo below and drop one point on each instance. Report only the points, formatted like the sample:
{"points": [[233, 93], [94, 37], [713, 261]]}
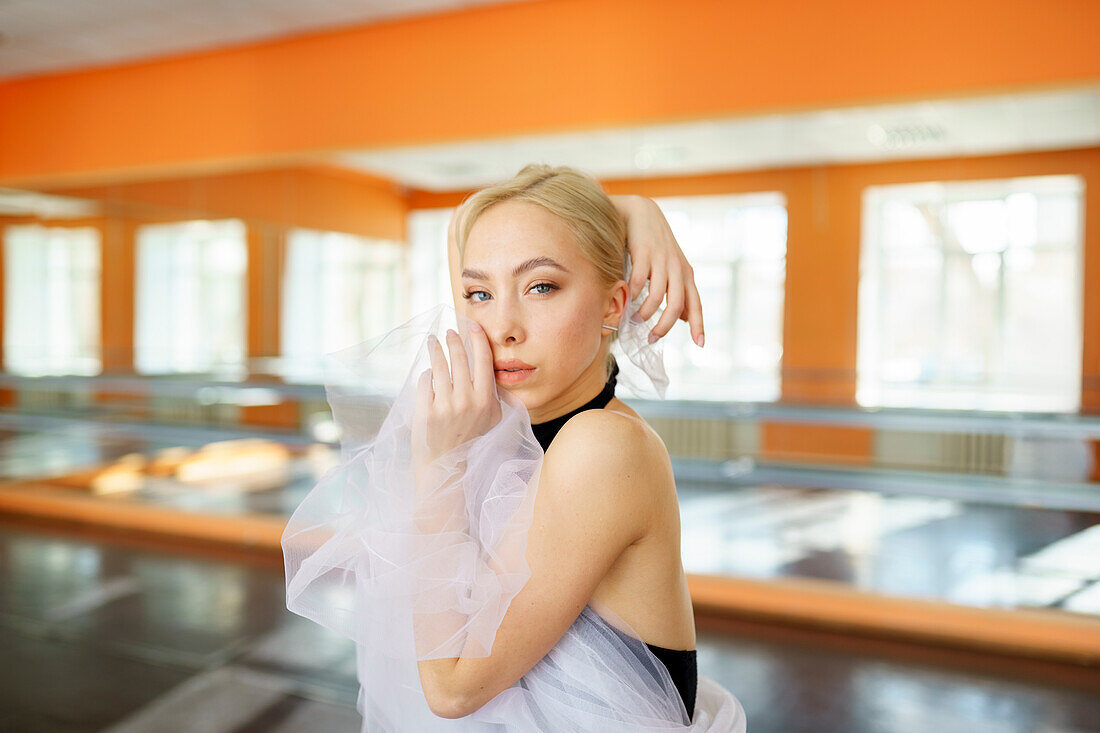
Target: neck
{"points": [[583, 390]]}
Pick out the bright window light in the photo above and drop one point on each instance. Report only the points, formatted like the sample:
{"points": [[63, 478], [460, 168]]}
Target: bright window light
{"points": [[970, 295], [190, 309], [51, 300]]}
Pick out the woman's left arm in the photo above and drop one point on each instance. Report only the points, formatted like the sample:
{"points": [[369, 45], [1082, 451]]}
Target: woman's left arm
{"points": [[590, 504], [595, 497], [655, 256]]}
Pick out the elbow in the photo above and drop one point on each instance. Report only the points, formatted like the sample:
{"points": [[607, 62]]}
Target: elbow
{"points": [[443, 700], [448, 706], [448, 696]]}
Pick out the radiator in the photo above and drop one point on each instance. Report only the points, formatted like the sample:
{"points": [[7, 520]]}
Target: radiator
{"points": [[712, 439], [978, 453]]}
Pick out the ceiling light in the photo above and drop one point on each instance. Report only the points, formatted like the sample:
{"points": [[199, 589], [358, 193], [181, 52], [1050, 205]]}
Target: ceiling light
{"points": [[904, 136], [659, 156]]}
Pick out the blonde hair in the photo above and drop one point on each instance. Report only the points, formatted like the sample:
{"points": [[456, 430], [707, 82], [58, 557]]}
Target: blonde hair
{"points": [[573, 197]]}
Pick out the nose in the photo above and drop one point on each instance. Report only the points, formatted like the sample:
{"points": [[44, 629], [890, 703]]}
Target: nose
{"points": [[504, 324]]}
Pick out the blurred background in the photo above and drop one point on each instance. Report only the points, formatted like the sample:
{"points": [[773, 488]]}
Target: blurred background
{"points": [[886, 455]]}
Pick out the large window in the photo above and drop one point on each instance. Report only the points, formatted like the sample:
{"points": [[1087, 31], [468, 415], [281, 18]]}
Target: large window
{"points": [[431, 283], [737, 246], [339, 290], [970, 295], [190, 310], [51, 300]]}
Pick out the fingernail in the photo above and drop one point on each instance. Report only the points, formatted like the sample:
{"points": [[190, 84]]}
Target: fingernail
{"points": [[475, 327], [653, 337], [636, 317], [699, 340]]}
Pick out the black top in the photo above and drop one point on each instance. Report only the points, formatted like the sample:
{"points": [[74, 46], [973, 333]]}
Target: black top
{"points": [[545, 431], [681, 663]]}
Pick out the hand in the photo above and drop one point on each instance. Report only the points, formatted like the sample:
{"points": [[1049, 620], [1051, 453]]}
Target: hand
{"points": [[656, 256], [462, 405]]}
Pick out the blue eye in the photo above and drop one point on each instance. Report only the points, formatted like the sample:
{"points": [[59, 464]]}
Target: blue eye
{"points": [[549, 287]]}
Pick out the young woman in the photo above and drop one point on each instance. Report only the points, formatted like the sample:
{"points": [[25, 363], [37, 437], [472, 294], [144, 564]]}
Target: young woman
{"points": [[522, 516], [540, 264]]}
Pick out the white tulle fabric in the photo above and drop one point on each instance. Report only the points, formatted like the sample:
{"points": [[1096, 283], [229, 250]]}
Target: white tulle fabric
{"points": [[425, 571], [641, 364]]}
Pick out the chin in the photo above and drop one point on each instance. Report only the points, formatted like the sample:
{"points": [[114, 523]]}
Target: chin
{"points": [[522, 394]]}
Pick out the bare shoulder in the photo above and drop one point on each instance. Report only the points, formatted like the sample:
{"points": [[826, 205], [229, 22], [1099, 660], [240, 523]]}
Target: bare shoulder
{"points": [[615, 457], [608, 436]]}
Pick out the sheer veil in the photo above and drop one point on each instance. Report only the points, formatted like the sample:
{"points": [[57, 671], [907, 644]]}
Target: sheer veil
{"points": [[358, 562]]}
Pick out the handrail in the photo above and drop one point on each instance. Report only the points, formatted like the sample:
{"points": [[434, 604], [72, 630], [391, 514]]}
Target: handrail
{"points": [[260, 391]]}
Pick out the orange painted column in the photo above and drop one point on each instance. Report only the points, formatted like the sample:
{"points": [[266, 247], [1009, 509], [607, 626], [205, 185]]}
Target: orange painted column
{"points": [[820, 319], [117, 293], [266, 260], [1090, 352], [7, 396]]}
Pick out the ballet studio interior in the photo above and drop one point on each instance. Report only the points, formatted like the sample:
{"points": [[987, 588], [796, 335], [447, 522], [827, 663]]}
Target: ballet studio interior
{"points": [[886, 455]]}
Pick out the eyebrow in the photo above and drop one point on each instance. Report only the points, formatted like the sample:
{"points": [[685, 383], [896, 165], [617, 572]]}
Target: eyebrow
{"points": [[541, 261]]}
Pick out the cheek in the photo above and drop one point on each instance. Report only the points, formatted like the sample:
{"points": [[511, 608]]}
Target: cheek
{"points": [[567, 323], [569, 334]]}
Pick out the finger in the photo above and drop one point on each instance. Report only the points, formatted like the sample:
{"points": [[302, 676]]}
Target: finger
{"points": [[484, 378], [460, 367], [423, 394], [441, 375], [693, 310], [639, 273], [422, 406], [658, 282], [672, 311]]}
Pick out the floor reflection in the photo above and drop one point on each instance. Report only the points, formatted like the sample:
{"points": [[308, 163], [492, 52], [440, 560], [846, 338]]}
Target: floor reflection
{"points": [[95, 636]]}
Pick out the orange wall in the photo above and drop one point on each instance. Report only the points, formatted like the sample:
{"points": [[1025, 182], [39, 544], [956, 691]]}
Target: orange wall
{"points": [[541, 66], [312, 197]]}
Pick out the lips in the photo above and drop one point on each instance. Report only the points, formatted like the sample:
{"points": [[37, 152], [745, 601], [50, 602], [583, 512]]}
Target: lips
{"points": [[512, 371], [509, 365]]}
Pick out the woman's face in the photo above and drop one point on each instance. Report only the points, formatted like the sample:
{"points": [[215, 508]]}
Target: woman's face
{"points": [[526, 282]]}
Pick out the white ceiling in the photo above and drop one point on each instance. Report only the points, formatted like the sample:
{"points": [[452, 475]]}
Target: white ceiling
{"points": [[1042, 120], [38, 36]]}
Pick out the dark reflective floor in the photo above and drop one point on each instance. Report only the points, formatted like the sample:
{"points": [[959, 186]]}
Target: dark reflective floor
{"points": [[906, 546], [105, 634]]}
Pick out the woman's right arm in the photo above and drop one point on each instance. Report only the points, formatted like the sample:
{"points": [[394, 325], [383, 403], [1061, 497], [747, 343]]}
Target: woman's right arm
{"points": [[657, 257]]}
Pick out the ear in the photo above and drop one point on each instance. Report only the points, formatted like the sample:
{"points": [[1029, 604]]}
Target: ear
{"points": [[616, 304]]}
